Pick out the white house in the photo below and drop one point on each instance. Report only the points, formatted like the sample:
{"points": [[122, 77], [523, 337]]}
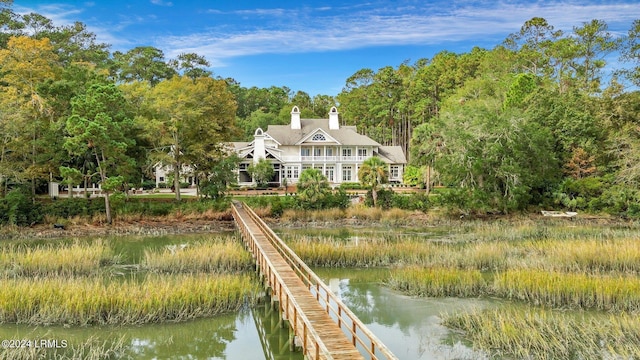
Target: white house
{"points": [[163, 175], [338, 151]]}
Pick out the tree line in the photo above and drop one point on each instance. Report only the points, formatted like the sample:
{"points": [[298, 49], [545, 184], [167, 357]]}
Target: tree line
{"points": [[535, 121], [546, 118], [75, 112]]}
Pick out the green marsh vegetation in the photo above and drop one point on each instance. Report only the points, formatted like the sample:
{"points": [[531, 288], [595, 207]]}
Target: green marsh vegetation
{"points": [[78, 258], [86, 282], [577, 283], [217, 255], [90, 349]]}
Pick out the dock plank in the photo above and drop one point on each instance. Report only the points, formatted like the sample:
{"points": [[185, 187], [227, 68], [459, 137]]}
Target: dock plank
{"points": [[331, 335]]}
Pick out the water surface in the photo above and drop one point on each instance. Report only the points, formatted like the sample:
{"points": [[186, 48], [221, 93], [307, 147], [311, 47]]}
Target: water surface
{"points": [[409, 327]]}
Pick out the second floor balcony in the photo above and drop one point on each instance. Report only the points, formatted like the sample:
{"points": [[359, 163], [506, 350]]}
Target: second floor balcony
{"points": [[325, 159]]}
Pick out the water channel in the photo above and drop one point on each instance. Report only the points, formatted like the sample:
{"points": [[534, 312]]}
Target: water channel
{"points": [[409, 327]]}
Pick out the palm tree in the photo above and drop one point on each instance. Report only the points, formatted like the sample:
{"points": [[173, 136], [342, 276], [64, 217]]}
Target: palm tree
{"points": [[313, 188], [372, 174]]}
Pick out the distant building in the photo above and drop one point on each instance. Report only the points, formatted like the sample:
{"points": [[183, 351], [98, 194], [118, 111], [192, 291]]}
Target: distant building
{"points": [[164, 172], [337, 151]]}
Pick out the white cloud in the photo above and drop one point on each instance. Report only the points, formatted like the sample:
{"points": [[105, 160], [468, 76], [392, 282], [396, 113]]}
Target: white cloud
{"points": [[60, 14], [250, 12], [392, 26], [161, 3], [356, 25]]}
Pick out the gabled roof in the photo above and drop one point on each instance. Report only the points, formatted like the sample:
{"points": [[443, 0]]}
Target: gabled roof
{"points": [[392, 154], [270, 153], [346, 135], [328, 139], [239, 145]]}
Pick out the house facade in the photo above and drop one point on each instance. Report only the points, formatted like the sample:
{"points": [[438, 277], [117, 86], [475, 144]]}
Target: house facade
{"points": [[163, 175], [337, 151]]}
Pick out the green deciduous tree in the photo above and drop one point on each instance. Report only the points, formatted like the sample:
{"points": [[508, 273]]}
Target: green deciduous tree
{"points": [[220, 175], [261, 172], [501, 157], [188, 122], [24, 65], [8, 22]]}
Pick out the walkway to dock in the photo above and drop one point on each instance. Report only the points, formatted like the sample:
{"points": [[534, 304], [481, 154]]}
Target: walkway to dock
{"points": [[323, 326]]}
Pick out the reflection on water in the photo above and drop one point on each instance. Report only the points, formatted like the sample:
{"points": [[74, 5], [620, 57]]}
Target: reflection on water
{"points": [[231, 336], [249, 334], [409, 327], [273, 333]]}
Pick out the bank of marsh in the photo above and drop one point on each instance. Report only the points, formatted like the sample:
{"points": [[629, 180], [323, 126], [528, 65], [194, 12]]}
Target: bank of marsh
{"points": [[83, 282], [547, 265]]}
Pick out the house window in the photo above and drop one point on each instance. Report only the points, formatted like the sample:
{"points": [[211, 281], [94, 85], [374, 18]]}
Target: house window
{"points": [[346, 173], [329, 152], [243, 174], [394, 172], [305, 151], [318, 137], [362, 153], [161, 179], [328, 172], [346, 152], [292, 172], [317, 152]]}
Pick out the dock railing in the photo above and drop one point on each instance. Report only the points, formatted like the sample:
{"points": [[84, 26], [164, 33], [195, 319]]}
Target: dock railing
{"points": [[361, 336], [301, 325]]}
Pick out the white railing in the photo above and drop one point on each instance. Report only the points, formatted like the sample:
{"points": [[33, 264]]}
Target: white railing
{"points": [[318, 159], [361, 337]]}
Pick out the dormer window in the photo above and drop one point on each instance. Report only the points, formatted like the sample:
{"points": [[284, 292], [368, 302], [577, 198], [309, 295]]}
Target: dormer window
{"points": [[318, 137]]}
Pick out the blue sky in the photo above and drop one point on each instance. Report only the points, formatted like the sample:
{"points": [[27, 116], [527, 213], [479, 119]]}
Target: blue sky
{"points": [[314, 46]]}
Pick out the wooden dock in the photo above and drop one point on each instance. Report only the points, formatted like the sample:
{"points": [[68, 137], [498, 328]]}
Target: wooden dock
{"points": [[323, 326]]}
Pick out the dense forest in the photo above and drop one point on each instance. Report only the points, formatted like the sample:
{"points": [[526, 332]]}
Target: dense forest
{"points": [[543, 119]]}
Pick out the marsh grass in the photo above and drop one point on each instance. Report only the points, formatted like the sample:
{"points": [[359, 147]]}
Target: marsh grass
{"points": [[438, 282], [391, 216], [291, 215], [364, 213], [544, 334], [97, 300], [73, 283], [212, 255], [570, 290], [78, 258], [90, 349], [563, 267], [573, 250], [566, 265], [330, 252], [593, 255]]}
